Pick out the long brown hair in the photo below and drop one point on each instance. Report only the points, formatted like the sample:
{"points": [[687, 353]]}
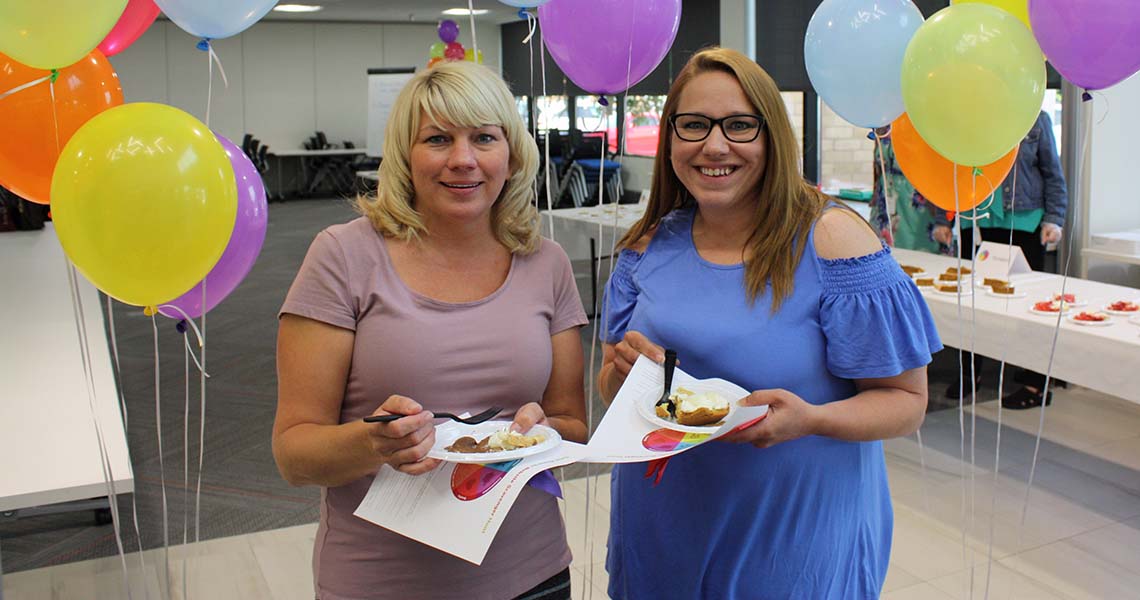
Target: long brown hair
{"points": [[786, 205]]}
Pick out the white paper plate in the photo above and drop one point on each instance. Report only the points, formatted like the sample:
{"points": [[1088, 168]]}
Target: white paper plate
{"points": [[1015, 295], [647, 408], [1120, 313], [965, 292], [1073, 319], [450, 431]]}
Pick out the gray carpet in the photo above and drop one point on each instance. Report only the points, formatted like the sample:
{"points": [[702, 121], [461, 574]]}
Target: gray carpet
{"points": [[241, 489]]}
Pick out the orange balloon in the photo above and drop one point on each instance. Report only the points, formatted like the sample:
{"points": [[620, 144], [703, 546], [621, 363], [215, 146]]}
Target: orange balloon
{"points": [[933, 175], [30, 146]]}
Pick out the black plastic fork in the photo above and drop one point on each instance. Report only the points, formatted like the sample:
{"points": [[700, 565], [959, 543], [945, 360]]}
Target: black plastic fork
{"points": [[472, 420], [670, 364]]}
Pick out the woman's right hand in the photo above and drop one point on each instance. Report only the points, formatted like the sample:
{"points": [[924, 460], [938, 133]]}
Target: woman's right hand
{"points": [[404, 443], [632, 345]]}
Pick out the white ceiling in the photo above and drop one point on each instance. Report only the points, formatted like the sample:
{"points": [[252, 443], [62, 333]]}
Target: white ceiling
{"points": [[403, 11]]}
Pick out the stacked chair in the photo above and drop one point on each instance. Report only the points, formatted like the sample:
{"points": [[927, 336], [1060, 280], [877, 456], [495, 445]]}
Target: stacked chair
{"points": [[258, 154], [334, 173]]}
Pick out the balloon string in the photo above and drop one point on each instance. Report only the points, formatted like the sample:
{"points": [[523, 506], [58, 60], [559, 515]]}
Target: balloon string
{"points": [[886, 188], [201, 420], [126, 427], [205, 46], [54, 116], [532, 25], [474, 38], [27, 85], [161, 461], [549, 192], [104, 457]]}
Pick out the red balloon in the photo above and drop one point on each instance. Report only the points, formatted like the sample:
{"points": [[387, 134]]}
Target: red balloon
{"points": [[454, 51], [31, 142], [138, 15]]}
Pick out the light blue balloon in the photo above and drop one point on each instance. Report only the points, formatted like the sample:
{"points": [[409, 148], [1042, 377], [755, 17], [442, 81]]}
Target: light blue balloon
{"points": [[215, 19], [524, 3], [854, 50]]}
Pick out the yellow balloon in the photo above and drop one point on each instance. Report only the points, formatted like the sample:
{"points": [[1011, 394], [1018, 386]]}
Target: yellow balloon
{"points": [[973, 78], [1017, 8], [144, 200], [57, 33]]}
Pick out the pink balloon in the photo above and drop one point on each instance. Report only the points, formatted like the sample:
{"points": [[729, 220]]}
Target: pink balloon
{"points": [[243, 248], [135, 20], [606, 46], [1092, 43]]}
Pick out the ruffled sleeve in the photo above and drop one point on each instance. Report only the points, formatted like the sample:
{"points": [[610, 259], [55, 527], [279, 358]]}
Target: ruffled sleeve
{"points": [[876, 322], [620, 297]]}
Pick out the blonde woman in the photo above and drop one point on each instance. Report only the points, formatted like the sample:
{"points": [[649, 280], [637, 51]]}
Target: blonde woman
{"points": [[753, 276], [442, 297]]}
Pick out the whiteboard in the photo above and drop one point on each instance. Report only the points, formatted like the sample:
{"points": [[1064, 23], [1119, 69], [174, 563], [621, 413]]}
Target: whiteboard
{"points": [[383, 87]]}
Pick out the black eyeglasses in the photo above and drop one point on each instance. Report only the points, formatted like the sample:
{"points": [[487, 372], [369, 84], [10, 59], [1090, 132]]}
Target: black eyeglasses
{"points": [[693, 127]]}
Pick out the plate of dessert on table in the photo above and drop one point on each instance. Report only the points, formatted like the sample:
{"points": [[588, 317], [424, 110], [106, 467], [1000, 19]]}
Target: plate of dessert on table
{"points": [[951, 288], [1071, 299], [913, 271], [1092, 318], [1122, 308], [490, 442], [1049, 308], [692, 408], [924, 282], [1000, 288]]}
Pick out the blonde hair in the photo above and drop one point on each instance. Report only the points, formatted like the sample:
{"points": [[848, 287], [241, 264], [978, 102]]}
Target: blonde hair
{"points": [[459, 94], [786, 205]]}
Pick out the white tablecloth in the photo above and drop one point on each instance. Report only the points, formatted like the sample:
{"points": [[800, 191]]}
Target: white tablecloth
{"points": [[1105, 359], [49, 452]]}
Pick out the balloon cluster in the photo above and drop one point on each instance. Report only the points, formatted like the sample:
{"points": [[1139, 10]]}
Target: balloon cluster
{"points": [[448, 46], [963, 88], [148, 203]]}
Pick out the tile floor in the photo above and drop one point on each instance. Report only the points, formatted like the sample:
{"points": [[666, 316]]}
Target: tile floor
{"points": [[1078, 538]]}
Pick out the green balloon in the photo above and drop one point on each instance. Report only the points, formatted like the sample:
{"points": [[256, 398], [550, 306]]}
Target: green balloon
{"points": [[973, 78], [437, 49]]}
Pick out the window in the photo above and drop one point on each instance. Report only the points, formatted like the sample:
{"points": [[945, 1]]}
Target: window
{"points": [[523, 107], [552, 112], [642, 125]]}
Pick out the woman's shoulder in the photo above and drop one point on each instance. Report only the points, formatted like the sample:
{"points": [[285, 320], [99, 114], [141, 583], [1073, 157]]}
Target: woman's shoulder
{"points": [[841, 233]]}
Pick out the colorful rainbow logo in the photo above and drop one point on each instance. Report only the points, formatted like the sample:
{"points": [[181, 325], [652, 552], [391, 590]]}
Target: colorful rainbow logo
{"points": [[984, 254], [668, 440], [471, 481]]}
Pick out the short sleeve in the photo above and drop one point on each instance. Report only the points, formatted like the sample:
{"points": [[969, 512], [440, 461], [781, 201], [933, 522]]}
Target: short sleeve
{"points": [[568, 311], [320, 290], [876, 322], [620, 297]]}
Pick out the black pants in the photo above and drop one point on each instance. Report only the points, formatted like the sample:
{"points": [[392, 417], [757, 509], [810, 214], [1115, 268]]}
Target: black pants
{"points": [[555, 588], [1034, 251]]}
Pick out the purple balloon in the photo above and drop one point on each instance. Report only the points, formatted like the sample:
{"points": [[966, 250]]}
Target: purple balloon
{"points": [[243, 248], [606, 46], [448, 30], [1092, 43]]}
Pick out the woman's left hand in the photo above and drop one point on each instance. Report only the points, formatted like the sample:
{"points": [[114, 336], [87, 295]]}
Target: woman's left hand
{"points": [[789, 417], [528, 416]]}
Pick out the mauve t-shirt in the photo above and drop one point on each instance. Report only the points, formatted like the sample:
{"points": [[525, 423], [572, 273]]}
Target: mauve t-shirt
{"points": [[452, 357]]}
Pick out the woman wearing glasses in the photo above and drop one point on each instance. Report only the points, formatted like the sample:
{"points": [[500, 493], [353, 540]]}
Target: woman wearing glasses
{"points": [[754, 276]]}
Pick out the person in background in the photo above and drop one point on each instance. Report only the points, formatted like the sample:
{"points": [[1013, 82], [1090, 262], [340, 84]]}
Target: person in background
{"points": [[1028, 209], [754, 276], [442, 297], [912, 223]]}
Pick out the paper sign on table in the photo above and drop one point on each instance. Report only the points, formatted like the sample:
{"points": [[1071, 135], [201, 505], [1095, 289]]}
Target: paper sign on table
{"points": [[1000, 261], [625, 436], [457, 508]]}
